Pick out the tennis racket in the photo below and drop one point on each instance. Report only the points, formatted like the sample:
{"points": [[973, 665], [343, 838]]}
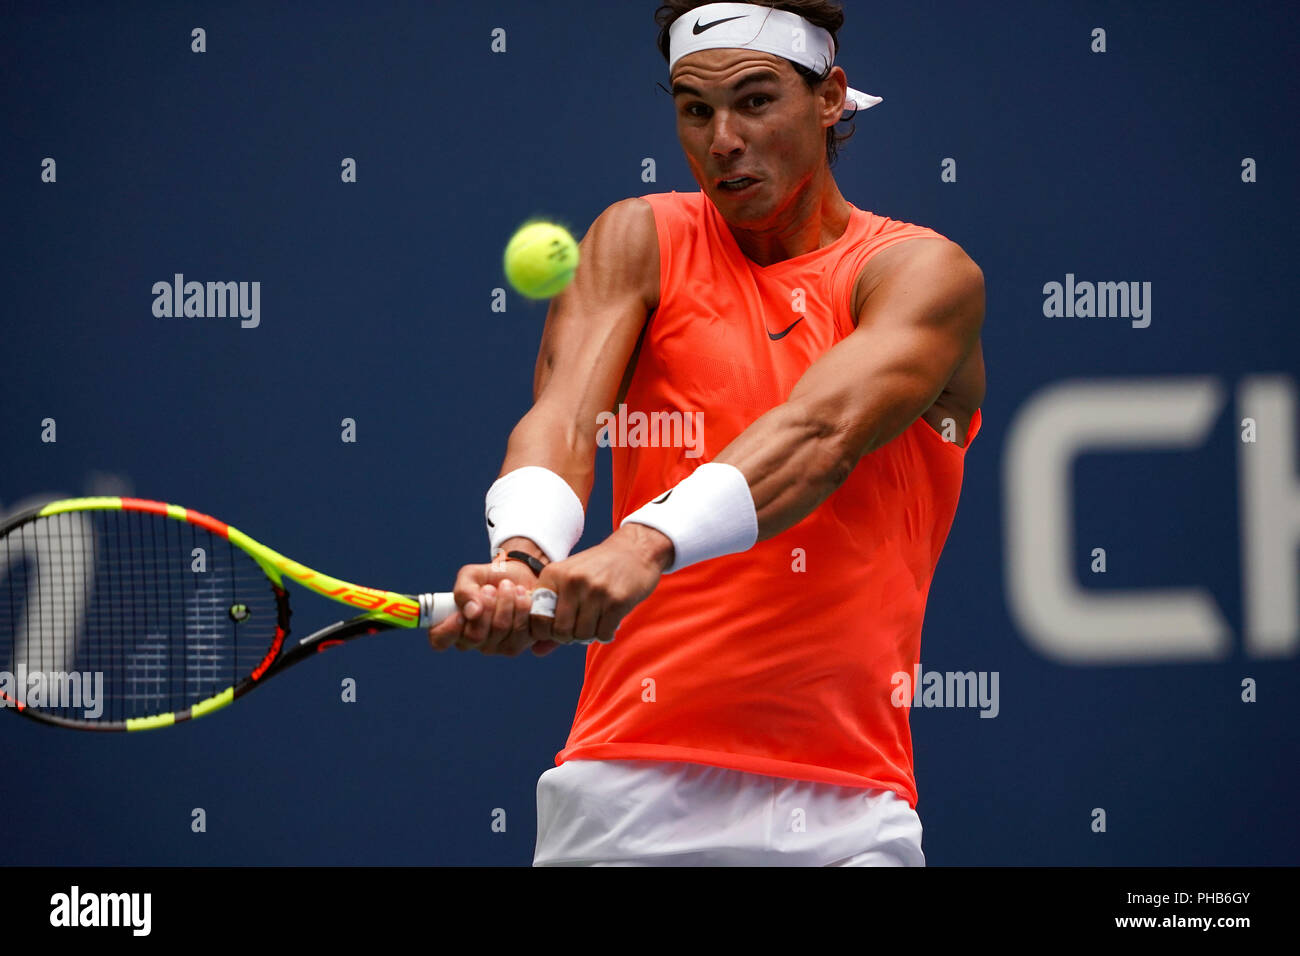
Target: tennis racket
{"points": [[127, 614]]}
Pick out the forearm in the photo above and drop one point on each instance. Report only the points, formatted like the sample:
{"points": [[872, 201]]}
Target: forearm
{"points": [[553, 441], [792, 461], [795, 455], [543, 439], [915, 325]]}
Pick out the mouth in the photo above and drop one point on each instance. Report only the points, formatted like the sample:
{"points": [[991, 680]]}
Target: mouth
{"points": [[736, 184]]}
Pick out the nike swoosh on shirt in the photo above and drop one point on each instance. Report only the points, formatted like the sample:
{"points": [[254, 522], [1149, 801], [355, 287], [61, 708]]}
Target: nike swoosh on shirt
{"points": [[662, 498], [701, 27], [784, 332], [488, 516]]}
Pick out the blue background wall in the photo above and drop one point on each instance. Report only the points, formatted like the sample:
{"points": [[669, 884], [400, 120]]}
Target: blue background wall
{"points": [[376, 306]]}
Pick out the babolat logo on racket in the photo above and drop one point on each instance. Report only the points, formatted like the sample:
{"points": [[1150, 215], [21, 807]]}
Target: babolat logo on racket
{"points": [[368, 599]]}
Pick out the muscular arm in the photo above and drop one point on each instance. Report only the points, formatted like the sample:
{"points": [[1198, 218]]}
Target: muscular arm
{"points": [[591, 331], [919, 318], [920, 309]]}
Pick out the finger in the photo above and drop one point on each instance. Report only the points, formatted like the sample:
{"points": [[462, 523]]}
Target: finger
{"points": [[476, 631], [523, 605], [609, 622], [444, 634], [566, 611], [502, 617], [467, 589], [542, 648], [519, 638], [515, 644], [588, 619], [460, 639]]}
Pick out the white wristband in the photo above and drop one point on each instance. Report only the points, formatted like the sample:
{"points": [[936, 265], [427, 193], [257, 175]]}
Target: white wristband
{"points": [[535, 503], [706, 515]]}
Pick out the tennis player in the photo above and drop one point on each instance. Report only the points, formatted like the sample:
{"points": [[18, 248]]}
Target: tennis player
{"points": [[766, 581]]}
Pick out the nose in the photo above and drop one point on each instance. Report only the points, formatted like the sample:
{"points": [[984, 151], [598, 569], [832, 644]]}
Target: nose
{"points": [[726, 136]]}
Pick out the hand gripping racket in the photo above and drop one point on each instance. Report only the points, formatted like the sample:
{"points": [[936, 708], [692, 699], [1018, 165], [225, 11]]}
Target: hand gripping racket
{"points": [[126, 614]]}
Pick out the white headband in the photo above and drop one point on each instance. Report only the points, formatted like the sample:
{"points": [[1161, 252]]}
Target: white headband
{"points": [[750, 26]]}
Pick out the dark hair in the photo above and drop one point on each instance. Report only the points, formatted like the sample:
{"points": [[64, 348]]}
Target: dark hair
{"points": [[826, 14]]}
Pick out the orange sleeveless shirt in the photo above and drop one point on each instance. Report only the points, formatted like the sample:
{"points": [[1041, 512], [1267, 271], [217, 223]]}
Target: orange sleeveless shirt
{"points": [[779, 660]]}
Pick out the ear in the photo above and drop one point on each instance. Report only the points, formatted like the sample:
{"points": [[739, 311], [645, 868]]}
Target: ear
{"points": [[833, 93]]}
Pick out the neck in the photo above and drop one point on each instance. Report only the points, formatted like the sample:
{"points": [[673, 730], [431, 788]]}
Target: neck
{"points": [[816, 217]]}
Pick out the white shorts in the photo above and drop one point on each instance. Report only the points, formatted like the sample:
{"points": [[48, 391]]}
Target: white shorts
{"points": [[668, 813]]}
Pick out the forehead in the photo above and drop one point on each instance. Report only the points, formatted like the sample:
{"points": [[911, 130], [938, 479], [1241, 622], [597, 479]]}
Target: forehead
{"points": [[720, 67]]}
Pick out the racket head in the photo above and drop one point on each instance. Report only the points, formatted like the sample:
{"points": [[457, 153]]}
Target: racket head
{"points": [[122, 614]]}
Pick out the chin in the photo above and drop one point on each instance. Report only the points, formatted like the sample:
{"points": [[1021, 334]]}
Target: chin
{"points": [[743, 212]]}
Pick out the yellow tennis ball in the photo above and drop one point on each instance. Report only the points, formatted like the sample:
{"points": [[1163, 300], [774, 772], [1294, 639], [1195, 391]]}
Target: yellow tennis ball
{"points": [[540, 260]]}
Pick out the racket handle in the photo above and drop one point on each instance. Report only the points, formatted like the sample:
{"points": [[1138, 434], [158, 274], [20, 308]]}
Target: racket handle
{"points": [[436, 608]]}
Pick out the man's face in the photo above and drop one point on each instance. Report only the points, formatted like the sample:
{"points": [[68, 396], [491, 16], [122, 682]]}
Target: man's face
{"points": [[744, 113]]}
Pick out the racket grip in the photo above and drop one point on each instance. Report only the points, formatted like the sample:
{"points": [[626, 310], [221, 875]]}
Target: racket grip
{"points": [[436, 608]]}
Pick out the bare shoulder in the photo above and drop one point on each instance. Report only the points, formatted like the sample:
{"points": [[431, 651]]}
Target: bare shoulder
{"points": [[621, 251], [593, 325], [925, 258], [937, 275]]}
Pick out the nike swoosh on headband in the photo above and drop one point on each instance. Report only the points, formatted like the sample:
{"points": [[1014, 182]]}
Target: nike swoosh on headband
{"points": [[778, 32], [700, 28]]}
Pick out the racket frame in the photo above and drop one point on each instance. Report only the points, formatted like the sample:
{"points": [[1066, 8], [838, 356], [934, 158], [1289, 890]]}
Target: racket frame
{"points": [[381, 610]]}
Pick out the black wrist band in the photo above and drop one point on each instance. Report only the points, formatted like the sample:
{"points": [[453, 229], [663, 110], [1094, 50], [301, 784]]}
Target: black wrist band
{"points": [[528, 559]]}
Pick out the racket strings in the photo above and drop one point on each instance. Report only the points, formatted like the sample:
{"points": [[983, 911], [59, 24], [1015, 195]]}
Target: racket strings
{"points": [[111, 615]]}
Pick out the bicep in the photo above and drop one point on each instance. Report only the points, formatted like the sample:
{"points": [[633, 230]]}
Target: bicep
{"points": [[924, 307], [919, 317]]}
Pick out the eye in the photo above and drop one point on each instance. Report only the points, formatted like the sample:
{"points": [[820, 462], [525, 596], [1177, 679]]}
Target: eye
{"points": [[760, 96], [691, 109]]}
